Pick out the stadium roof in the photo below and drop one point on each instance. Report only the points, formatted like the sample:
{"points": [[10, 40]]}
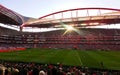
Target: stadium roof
{"points": [[79, 17]]}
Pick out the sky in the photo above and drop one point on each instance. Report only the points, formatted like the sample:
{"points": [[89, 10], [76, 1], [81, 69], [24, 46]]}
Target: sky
{"points": [[38, 8]]}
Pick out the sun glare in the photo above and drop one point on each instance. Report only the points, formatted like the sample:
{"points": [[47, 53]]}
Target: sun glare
{"points": [[69, 28]]}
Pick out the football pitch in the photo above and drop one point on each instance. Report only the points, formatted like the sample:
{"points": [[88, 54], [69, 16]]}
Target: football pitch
{"points": [[89, 58]]}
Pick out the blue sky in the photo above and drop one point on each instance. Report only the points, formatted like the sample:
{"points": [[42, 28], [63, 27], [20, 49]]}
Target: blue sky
{"points": [[38, 8]]}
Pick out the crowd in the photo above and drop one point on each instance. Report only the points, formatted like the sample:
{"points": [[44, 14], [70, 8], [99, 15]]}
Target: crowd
{"points": [[20, 68]]}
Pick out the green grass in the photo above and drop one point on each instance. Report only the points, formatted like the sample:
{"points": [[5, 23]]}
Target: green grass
{"points": [[110, 59]]}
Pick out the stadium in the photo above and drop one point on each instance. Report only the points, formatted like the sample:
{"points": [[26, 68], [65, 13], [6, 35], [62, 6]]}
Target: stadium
{"points": [[73, 43]]}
